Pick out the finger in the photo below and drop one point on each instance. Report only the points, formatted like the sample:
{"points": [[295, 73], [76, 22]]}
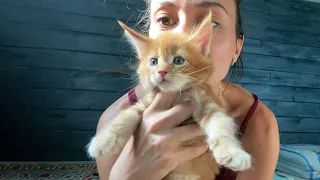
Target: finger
{"points": [[180, 113], [190, 152], [186, 133], [163, 100]]}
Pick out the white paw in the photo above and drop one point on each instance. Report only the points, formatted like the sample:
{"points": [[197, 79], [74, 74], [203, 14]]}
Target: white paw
{"points": [[108, 144], [234, 158]]}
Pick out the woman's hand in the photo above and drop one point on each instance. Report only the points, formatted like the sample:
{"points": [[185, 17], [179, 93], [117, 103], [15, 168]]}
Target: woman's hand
{"points": [[155, 148]]}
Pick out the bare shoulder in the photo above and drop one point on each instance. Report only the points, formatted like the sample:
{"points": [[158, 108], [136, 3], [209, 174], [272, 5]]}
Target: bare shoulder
{"points": [[260, 138], [241, 101]]}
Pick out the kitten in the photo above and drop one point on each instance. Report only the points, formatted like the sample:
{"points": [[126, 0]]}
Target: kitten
{"points": [[175, 62]]}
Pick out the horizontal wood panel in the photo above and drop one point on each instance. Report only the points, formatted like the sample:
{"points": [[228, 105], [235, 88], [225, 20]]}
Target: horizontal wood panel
{"points": [[280, 78], [282, 64], [16, 35], [70, 79], [280, 49], [294, 109], [50, 119], [33, 155], [55, 119], [300, 138], [95, 8], [22, 57], [298, 125], [86, 100], [284, 8], [282, 93], [61, 21], [19, 35], [301, 24], [45, 140], [65, 99], [282, 36], [128, 8], [83, 24], [91, 80]]}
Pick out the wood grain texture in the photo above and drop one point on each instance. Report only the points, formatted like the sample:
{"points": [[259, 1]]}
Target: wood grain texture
{"points": [[51, 140], [44, 155]]}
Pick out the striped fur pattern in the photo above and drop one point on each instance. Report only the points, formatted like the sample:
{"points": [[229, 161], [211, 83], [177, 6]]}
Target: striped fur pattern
{"points": [[178, 62]]}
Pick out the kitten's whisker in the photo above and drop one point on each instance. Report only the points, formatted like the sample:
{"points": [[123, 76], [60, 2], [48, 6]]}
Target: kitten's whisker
{"points": [[180, 86], [199, 70], [186, 68], [125, 89], [196, 81]]}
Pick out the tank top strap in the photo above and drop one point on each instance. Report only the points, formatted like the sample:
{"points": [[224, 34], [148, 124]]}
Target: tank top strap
{"points": [[248, 116], [132, 96]]}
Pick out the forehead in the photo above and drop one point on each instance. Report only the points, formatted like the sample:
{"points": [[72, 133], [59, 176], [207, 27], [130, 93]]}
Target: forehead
{"points": [[228, 5]]}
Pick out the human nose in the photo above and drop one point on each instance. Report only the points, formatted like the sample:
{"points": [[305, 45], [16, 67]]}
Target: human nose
{"points": [[185, 24]]}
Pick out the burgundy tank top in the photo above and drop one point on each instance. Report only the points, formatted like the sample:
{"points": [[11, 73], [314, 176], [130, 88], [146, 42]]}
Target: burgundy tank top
{"points": [[225, 174]]}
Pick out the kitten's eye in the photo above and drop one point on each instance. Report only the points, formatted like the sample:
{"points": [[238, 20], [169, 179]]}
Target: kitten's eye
{"points": [[178, 60], [153, 62], [165, 21]]}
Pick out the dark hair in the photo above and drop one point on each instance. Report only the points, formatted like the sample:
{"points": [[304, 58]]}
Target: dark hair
{"points": [[236, 71]]}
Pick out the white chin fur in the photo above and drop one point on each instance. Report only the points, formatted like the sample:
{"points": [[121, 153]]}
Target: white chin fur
{"points": [[172, 84]]}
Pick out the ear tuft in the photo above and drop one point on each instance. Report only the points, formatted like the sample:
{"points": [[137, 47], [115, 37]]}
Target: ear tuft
{"points": [[137, 40], [203, 34]]}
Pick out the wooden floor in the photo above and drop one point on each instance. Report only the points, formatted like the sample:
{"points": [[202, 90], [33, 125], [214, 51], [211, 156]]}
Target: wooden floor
{"points": [[55, 56]]}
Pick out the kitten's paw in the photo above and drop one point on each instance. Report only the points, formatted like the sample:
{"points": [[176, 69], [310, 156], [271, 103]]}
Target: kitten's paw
{"points": [[234, 158], [106, 145]]}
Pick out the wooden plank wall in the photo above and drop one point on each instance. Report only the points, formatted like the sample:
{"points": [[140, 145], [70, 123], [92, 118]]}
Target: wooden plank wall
{"points": [[55, 56]]}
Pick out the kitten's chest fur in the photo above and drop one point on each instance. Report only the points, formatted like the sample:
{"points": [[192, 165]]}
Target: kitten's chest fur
{"points": [[203, 167]]}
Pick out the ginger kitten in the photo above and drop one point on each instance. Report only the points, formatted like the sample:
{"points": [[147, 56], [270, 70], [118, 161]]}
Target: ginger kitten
{"points": [[176, 62]]}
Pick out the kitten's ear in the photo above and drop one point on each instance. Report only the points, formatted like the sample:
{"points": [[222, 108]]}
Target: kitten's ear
{"points": [[137, 40], [203, 34]]}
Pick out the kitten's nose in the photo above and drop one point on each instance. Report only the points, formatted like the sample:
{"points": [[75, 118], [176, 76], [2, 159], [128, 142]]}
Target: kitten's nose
{"points": [[162, 73]]}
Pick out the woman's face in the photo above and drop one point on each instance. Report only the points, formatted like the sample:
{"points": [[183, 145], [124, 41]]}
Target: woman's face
{"points": [[182, 15]]}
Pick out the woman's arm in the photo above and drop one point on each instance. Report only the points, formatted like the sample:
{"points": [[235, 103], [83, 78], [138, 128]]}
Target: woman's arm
{"points": [[104, 164], [261, 140]]}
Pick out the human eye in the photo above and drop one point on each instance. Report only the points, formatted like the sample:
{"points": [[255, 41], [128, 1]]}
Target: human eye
{"points": [[215, 23], [165, 21]]}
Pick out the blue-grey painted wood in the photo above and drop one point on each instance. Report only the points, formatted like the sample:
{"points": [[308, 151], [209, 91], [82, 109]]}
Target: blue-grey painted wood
{"points": [[72, 60], [28, 57], [280, 22], [298, 125], [53, 119], [33, 139], [93, 8], [281, 64], [79, 42], [298, 138], [294, 109], [57, 99], [54, 155], [103, 81]]}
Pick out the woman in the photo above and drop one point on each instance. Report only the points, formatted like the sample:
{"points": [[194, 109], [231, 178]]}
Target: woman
{"points": [[150, 153]]}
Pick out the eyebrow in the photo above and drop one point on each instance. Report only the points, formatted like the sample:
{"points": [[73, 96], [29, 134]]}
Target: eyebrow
{"points": [[207, 4], [166, 3]]}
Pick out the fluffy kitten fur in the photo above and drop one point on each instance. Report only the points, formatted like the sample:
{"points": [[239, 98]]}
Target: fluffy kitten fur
{"points": [[175, 62]]}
